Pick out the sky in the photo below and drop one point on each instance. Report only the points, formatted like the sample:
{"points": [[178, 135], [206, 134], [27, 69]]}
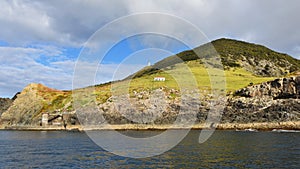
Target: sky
{"points": [[41, 41]]}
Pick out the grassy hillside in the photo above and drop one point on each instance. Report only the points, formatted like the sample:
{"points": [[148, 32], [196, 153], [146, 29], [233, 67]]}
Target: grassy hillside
{"points": [[231, 50], [244, 64], [256, 59], [236, 77]]}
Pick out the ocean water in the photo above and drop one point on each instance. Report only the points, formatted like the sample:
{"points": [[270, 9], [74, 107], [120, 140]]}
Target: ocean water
{"points": [[225, 149]]}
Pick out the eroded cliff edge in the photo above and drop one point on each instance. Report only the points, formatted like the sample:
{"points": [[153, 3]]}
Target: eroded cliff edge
{"points": [[274, 101]]}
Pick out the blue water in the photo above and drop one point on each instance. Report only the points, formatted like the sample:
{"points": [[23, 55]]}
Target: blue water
{"points": [[225, 149]]}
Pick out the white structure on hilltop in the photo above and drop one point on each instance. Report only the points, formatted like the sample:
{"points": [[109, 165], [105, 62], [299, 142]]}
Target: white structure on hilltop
{"points": [[161, 79]]}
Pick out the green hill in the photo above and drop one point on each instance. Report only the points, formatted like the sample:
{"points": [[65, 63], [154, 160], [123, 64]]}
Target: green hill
{"points": [[257, 59], [244, 63]]}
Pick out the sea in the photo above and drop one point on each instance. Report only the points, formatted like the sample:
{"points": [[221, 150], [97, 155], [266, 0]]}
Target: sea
{"points": [[224, 149]]}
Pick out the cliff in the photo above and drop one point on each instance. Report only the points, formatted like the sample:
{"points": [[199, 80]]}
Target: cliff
{"points": [[272, 101], [5, 103], [28, 106]]}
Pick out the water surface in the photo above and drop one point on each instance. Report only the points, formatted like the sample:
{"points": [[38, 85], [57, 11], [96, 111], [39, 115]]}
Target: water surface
{"points": [[225, 149]]}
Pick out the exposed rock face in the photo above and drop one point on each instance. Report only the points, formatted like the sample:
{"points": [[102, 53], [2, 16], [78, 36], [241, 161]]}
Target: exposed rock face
{"points": [[283, 88], [265, 67], [27, 106], [144, 108], [249, 110], [273, 101], [5, 103], [255, 58]]}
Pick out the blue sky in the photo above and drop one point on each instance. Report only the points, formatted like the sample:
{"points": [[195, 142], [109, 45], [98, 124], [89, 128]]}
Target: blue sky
{"points": [[40, 41]]}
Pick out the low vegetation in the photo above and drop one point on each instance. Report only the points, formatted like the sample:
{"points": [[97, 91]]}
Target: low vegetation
{"points": [[242, 65]]}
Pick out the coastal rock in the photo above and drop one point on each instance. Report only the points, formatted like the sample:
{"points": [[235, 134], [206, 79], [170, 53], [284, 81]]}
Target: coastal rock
{"points": [[269, 102], [261, 110], [156, 108], [28, 105], [22, 109], [5, 103], [272, 101], [282, 88]]}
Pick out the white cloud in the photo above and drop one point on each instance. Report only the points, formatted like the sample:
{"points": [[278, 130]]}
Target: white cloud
{"points": [[64, 23], [39, 32], [87, 74], [22, 22], [273, 23], [20, 66]]}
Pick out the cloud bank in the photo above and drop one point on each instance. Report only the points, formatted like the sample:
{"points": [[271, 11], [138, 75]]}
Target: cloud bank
{"points": [[40, 40]]}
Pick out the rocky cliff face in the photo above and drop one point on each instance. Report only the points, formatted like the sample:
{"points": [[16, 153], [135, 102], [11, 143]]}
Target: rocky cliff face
{"points": [[28, 105], [145, 107], [265, 67], [272, 101], [5, 103], [282, 88]]}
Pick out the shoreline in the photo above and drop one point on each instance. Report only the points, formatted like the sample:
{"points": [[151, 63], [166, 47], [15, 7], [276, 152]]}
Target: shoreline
{"points": [[265, 126]]}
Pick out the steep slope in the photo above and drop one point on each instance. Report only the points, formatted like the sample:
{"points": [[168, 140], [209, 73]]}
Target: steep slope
{"points": [[31, 102], [5, 103]]}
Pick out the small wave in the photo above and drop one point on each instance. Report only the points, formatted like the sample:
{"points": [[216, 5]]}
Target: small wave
{"points": [[251, 130], [285, 131], [248, 130]]}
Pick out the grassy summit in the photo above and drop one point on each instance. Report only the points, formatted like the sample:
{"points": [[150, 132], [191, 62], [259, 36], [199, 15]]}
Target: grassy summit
{"points": [[234, 54], [243, 62]]}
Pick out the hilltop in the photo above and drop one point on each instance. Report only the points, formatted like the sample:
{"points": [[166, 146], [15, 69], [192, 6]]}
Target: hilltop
{"points": [[245, 64], [256, 59]]}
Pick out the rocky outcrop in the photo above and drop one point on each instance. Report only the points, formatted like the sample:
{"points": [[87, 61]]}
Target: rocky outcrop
{"points": [[265, 67], [272, 101], [282, 88], [28, 105], [265, 109], [5, 103], [145, 107]]}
